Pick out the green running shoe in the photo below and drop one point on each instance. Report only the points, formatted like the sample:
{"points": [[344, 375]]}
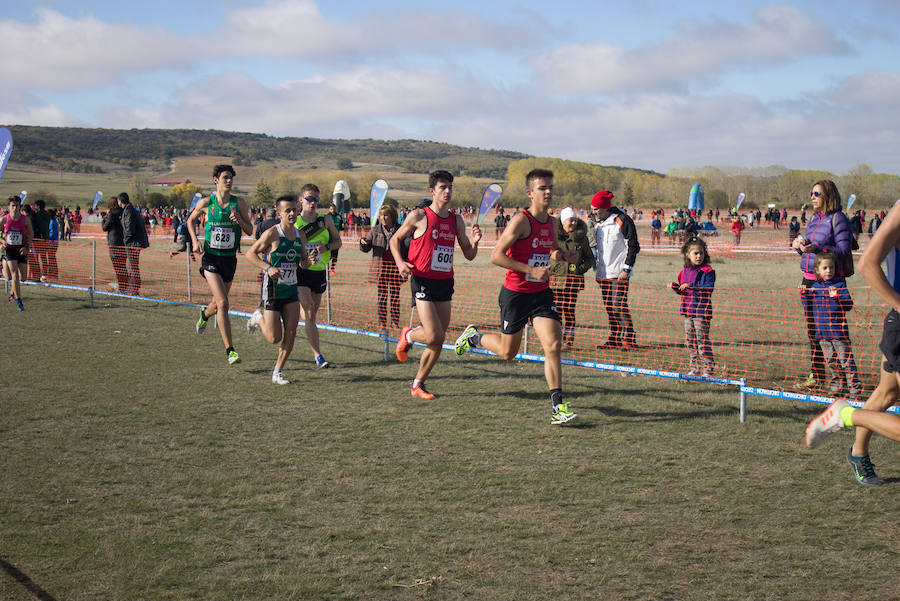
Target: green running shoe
{"points": [[233, 357], [463, 343], [201, 325], [863, 469], [562, 415]]}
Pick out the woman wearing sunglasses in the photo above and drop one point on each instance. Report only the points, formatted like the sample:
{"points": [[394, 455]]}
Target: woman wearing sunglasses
{"points": [[827, 230]]}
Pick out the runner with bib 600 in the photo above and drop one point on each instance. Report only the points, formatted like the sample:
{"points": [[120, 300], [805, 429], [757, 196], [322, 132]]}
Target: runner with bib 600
{"points": [[435, 230]]}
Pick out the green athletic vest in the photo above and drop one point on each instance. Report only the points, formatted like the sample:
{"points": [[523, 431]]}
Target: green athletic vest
{"points": [[286, 257], [316, 232], [220, 235]]}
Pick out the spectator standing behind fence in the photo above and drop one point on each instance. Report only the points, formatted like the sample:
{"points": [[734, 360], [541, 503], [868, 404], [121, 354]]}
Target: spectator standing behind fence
{"points": [[793, 229], [386, 273], [134, 234], [830, 303], [737, 227], [695, 284], [115, 240], [655, 229], [828, 229], [616, 248], [568, 277], [52, 246]]}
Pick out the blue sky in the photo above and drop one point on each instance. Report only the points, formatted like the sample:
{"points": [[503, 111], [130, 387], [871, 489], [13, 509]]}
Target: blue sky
{"points": [[648, 84]]}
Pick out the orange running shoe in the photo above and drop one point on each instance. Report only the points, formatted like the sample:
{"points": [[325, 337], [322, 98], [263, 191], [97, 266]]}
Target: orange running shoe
{"points": [[420, 393], [403, 346]]}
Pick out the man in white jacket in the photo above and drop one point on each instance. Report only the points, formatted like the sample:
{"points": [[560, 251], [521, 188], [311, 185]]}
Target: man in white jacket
{"points": [[615, 253]]}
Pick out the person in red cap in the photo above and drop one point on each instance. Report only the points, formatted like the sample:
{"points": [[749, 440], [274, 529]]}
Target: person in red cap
{"points": [[616, 250]]}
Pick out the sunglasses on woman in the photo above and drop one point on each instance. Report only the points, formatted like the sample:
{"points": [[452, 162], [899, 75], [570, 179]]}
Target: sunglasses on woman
{"points": [[815, 194]]}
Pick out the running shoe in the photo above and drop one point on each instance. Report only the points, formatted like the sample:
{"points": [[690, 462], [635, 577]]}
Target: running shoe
{"points": [[321, 362], [420, 393], [253, 322], [825, 423], [11, 298], [233, 357], [809, 383], [279, 379], [463, 343], [19, 305], [863, 469], [403, 346], [562, 414], [201, 324]]}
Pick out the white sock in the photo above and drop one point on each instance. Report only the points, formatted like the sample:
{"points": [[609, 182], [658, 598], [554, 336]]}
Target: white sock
{"points": [[408, 341], [416, 383], [276, 371]]}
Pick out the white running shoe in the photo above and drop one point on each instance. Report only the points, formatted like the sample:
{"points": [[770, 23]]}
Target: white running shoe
{"points": [[278, 378], [825, 423], [253, 322]]}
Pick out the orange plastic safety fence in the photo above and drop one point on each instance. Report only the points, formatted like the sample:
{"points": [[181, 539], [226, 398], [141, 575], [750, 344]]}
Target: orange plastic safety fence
{"points": [[755, 333]]}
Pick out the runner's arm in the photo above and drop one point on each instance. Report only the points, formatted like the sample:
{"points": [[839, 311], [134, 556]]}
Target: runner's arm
{"points": [[202, 205], [261, 247], [407, 228], [469, 247], [882, 243]]}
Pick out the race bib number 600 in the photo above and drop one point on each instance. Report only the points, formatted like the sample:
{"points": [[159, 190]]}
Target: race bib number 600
{"points": [[221, 238], [442, 258], [537, 260]]}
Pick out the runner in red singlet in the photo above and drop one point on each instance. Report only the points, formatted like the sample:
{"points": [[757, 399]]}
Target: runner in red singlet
{"points": [[434, 231], [17, 237], [525, 250]]}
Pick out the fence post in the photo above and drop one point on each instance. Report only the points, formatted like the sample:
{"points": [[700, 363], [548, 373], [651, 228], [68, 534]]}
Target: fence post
{"points": [[387, 346], [327, 295], [93, 272], [743, 401], [189, 258], [525, 340]]}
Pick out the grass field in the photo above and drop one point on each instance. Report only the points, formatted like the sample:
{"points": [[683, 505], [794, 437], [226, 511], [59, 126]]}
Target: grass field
{"points": [[139, 465]]}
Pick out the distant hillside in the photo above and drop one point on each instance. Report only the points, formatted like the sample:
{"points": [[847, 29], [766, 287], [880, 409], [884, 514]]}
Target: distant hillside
{"points": [[85, 150]]}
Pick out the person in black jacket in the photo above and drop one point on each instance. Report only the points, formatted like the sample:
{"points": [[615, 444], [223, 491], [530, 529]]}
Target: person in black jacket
{"points": [[115, 240], [134, 234]]}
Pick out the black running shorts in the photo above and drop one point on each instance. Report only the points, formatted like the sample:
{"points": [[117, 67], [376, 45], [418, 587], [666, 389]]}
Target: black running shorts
{"points": [[220, 265], [516, 308], [427, 289], [890, 342], [316, 281]]}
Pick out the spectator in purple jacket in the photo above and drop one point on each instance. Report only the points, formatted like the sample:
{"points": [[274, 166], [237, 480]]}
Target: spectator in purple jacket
{"points": [[828, 230], [695, 285]]}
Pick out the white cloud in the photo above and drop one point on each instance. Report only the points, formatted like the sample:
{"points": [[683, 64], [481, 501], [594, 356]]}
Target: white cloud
{"points": [[297, 28], [350, 104], [60, 53], [699, 53]]}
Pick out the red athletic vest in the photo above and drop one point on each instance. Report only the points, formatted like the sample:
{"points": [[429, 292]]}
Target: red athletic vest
{"points": [[533, 250], [432, 253], [15, 231]]}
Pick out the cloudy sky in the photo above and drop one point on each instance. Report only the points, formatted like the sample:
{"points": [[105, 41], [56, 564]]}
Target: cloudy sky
{"points": [[643, 83]]}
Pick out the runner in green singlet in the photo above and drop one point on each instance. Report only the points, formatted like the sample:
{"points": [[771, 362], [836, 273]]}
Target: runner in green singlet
{"points": [[321, 238], [283, 247], [227, 216]]}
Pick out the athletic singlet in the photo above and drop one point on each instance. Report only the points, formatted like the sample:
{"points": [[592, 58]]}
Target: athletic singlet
{"points": [[15, 231], [432, 253], [285, 257], [316, 233], [220, 234], [533, 250], [892, 266]]}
